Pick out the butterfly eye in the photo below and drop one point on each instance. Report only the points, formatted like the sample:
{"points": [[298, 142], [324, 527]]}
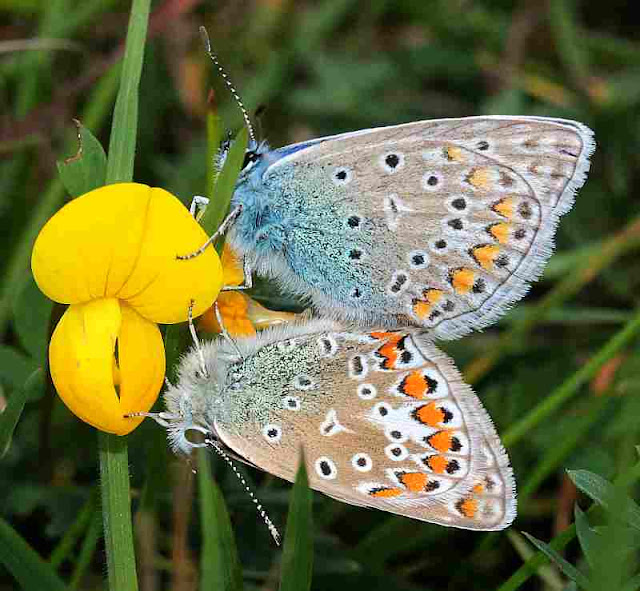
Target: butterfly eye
{"points": [[196, 436], [250, 158]]}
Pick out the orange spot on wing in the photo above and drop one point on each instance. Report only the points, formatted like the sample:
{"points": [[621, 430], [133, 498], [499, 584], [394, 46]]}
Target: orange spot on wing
{"points": [[386, 336], [485, 255], [390, 353], [480, 178], [500, 232], [415, 385], [438, 464], [430, 414], [441, 441], [478, 488], [386, 492], [453, 153], [421, 309], [414, 481], [504, 207], [468, 507], [462, 280]]}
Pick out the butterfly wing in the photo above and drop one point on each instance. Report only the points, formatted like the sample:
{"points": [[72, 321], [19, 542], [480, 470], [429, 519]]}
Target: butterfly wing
{"points": [[385, 421], [441, 224]]}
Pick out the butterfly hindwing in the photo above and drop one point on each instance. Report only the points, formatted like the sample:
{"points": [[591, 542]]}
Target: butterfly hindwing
{"points": [[384, 418], [440, 224]]}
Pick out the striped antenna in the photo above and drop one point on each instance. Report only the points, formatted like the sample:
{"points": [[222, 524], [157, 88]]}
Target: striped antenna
{"points": [[231, 87], [272, 528]]}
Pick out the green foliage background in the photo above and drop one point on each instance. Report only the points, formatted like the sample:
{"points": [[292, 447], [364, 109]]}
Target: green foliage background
{"points": [[559, 374]]}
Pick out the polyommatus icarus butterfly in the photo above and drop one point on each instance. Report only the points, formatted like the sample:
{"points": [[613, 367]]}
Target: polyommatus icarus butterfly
{"points": [[440, 224], [384, 418]]}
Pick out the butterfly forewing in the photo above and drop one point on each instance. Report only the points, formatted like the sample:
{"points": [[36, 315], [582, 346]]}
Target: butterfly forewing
{"points": [[440, 224], [384, 419]]}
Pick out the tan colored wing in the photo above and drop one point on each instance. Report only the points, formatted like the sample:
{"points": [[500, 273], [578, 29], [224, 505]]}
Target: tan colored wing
{"points": [[455, 217], [385, 421]]}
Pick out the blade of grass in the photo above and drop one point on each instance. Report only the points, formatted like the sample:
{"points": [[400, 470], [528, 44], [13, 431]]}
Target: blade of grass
{"points": [[11, 415], [87, 551], [24, 564], [219, 565], [590, 540], [567, 568], [62, 551], [297, 555], [529, 568], [225, 185], [122, 143], [570, 386]]}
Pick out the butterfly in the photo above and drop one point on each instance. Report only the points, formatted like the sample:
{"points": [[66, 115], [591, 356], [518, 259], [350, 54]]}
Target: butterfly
{"points": [[383, 416], [439, 224]]}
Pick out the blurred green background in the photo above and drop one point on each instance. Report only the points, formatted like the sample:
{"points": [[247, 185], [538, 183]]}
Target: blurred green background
{"points": [[317, 68]]}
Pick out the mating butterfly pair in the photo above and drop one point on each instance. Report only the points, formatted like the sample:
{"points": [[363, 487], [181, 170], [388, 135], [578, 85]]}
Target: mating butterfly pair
{"points": [[397, 236]]}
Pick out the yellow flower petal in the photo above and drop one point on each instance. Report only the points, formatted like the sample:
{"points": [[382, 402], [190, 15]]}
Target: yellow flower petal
{"points": [[81, 357], [122, 241]]}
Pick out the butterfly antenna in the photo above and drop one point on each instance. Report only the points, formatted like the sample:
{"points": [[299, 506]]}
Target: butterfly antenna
{"points": [[230, 86], [275, 534]]}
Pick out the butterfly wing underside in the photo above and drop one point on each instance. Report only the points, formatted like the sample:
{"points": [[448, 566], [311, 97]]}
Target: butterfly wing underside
{"points": [[441, 224], [385, 421]]}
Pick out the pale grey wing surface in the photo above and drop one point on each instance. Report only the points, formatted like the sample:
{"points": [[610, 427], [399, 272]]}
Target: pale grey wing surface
{"points": [[385, 421], [441, 224]]}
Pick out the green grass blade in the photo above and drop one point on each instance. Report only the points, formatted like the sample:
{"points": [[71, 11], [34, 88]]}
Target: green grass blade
{"points": [[567, 568], [11, 415], [590, 540], [220, 568], [297, 555], [569, 388], [87, 550], [225, 185], [65, 547], [606, 494], [87, 169], [24, 564], [122, 143]]}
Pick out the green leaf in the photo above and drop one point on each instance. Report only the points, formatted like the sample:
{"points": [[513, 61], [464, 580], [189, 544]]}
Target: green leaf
{"points": [[590, 540], [633, 584], [297, 555], [32, 319], [11, 415], [567, 568], [15, 367], [23, 562], [87, 169], [220, 568], [225, 185], [606, 494]]}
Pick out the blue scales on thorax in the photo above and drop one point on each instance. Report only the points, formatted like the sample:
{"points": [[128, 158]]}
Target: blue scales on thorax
{"points": [[302, 228]]}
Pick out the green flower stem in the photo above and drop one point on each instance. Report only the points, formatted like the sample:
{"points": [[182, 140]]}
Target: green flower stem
{"points": [[114, 463], [116, 512]]}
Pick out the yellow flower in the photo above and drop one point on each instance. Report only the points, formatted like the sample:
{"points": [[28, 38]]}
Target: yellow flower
{"points": [[112, 254], [240, 314]]}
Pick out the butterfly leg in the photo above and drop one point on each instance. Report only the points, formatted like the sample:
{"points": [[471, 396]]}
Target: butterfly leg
{"points": [[198, 201], [196, 341], [247, 283], [224, 226], [224, 333]]}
